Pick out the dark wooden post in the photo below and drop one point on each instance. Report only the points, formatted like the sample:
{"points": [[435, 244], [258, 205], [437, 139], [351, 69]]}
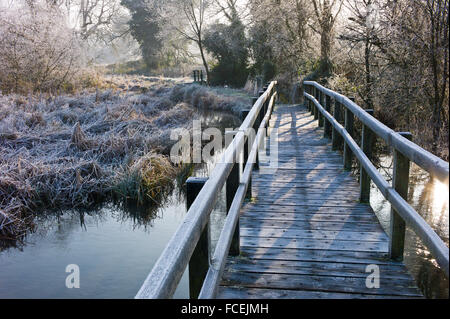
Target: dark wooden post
{"points": [[308, 101], [335, 136], [349, 125], [400, 183], [261, 112], [201, 76], [316, 110], [199, 262], [321, 118], [255, 128], [232, 185], [366, 146], [195, 76], [247, 148], [327, 124]]}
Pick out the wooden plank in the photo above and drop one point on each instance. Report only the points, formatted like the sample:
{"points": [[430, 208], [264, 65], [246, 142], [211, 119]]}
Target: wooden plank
{"points": [[331, 269], [307, 202], [320, 244], [399, 287], [316, 255], [312, 217], [307, 209], [309, 225], [318, 234], [229, 292]]}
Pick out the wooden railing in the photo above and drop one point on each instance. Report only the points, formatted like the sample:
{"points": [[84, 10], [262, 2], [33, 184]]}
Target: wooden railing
{"points": [[190, 243], [331, 108]]}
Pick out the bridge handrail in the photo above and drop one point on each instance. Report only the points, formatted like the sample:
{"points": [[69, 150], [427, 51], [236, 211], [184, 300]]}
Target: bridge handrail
{"points": [[415, 153], [218, 261], [163, 279], [429, 162]]}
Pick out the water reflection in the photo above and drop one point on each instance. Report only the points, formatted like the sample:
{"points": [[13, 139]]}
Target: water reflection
{"points": [[430, 198]]}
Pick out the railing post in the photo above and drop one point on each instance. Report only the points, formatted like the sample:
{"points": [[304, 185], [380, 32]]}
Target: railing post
{"points": [[366, 146], [307, 89], [316, 110], [349, 124], [261, 111], [247, 148], [400, 183], [327, 124], [199, 262], [232, 184], [336, 138], [321, 117]]}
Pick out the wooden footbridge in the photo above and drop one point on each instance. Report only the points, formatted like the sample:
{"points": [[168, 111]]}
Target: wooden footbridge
{"points": [[306, 229]]}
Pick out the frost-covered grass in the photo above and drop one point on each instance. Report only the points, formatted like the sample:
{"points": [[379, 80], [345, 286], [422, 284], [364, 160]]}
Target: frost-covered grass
{"points": [[75, 150]]}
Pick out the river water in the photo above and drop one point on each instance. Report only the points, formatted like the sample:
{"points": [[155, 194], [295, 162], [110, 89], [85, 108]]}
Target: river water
{"points": [[115, 247], [430, 198]]}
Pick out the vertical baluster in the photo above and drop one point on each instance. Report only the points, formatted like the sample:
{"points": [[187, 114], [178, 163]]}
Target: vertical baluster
{"points": [[366, 146], [400, 183], [231, 187], [316, 111], [199, 262], [321, 118], [336, 137], [247, 148], [327, 124], [349, 127]]}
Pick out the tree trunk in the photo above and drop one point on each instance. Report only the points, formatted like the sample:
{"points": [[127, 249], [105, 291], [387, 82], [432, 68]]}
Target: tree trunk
{"points": [[205, 64]]}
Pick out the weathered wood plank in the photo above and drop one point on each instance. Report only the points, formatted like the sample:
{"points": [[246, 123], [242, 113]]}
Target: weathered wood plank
{"points": [[332, 269], [400, 287], [316, 255], [312, 217], [321, 244], [303, 209], [229, 292], [308, 225], [317, 234]]}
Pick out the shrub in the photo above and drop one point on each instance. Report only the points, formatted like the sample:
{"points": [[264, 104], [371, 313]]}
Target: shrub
{"points": [[38, 51]]}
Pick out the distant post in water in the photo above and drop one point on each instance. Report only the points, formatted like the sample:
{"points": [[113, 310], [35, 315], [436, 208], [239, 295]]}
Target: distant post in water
{"points": [[400, 183], [199, 263], [366, 146]]}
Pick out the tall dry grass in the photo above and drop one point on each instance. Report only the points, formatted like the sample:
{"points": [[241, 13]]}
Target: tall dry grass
{"points": [[72, 151]]}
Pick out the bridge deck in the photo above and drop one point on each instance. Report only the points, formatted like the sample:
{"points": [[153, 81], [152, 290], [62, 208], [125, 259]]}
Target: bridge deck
{"points": [[306, 235]]}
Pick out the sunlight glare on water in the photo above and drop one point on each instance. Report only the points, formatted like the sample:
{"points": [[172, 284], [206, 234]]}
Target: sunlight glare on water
{"points": [[440, 196]]}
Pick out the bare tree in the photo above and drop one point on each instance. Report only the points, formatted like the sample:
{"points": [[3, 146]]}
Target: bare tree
{"points": [[188, 17], [326, 19]]}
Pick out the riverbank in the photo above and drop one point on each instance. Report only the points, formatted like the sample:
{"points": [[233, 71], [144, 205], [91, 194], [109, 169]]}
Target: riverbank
{"points": [[73, 151]]}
